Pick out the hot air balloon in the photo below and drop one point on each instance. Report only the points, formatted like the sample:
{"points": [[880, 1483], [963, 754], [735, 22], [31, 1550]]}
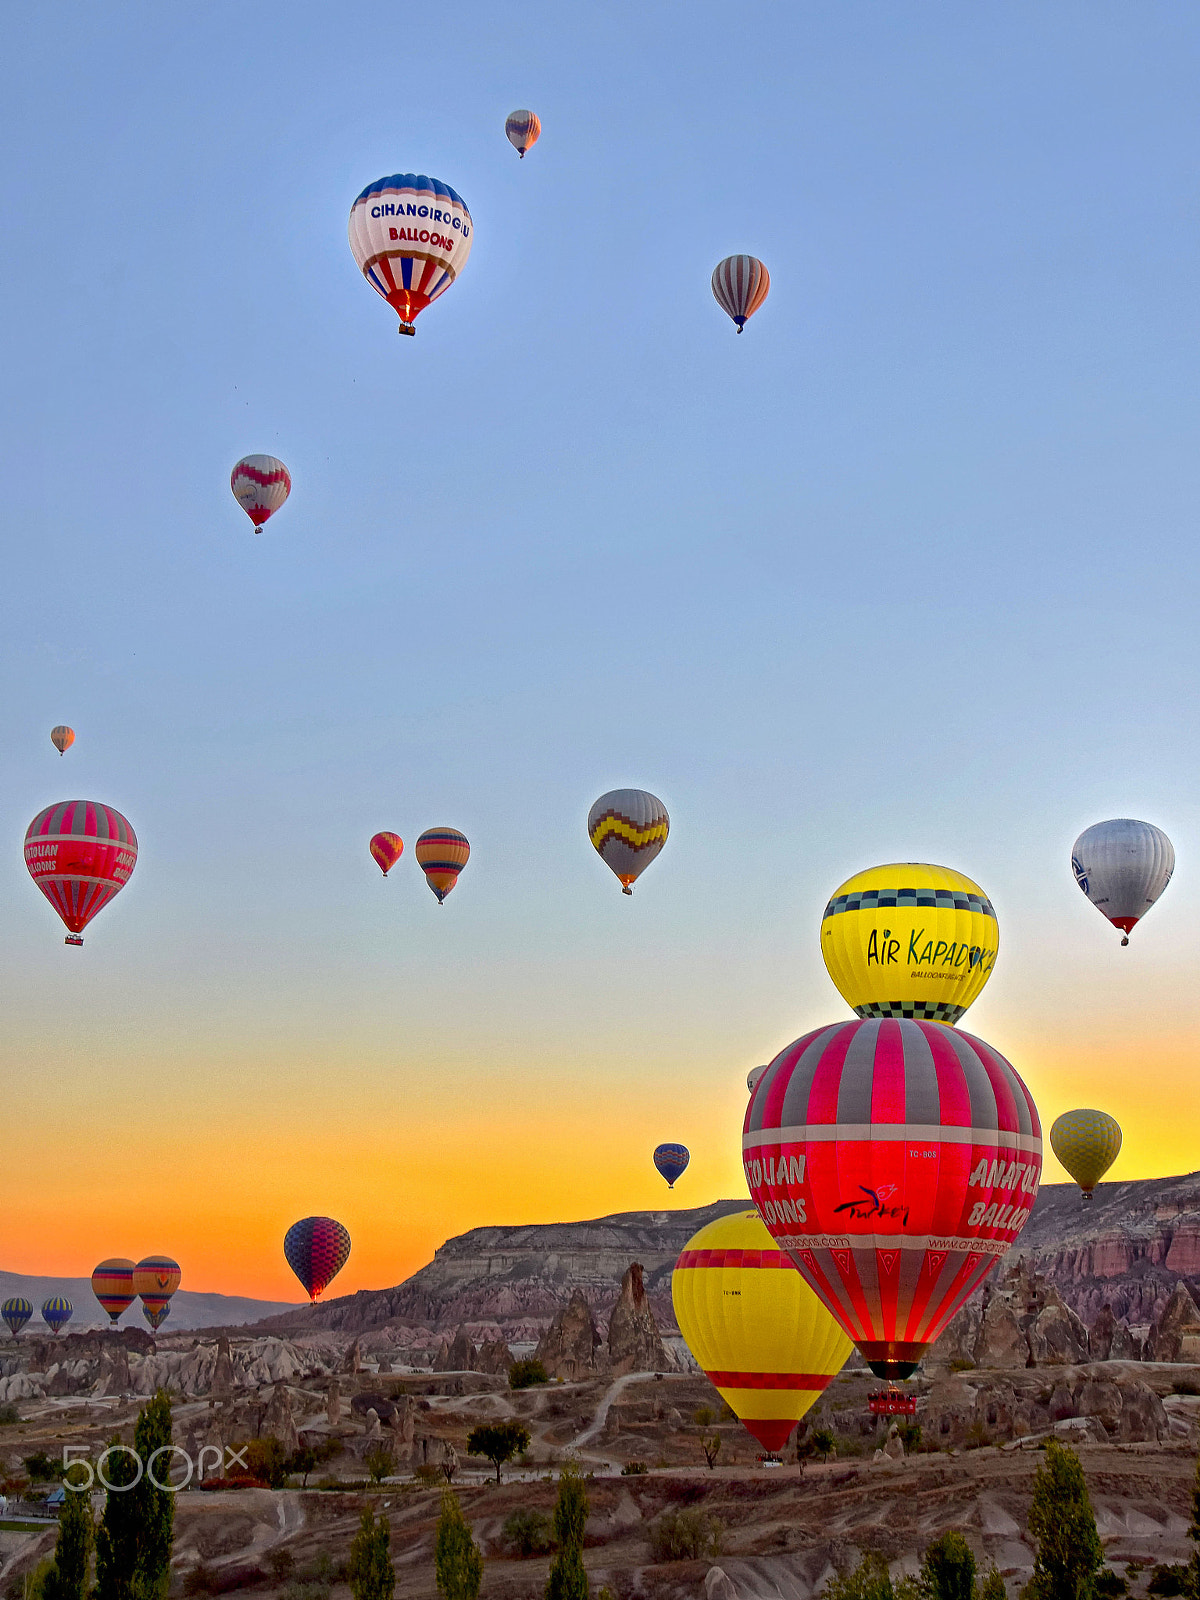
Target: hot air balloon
{"points": [[260, 485], [1123, 867], [909, 940], [523, 129], [387, 849], [671, 1161], [895, 1161], [317, 1248], [441, 854], [411, 237], [62, 738], [753, 1076], [156, 1278], [16, 1312], [156, 1312], [112, 1284], [1087, 1143], [628, 827], [754, 1326], [740, 284], [57, 1312], [80, 854]]}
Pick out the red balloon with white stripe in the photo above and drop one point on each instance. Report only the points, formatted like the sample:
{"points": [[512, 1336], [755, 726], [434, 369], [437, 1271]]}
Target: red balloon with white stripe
{"points": [[260, 485], [895, 1161], [80, 854], [740, 285]]}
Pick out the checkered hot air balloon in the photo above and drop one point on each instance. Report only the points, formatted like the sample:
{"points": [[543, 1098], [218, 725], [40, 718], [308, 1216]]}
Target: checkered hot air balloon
{"points": [[629, 828], [16, 1313], [740, 285], [411, 237], [387, 849], [441, 854], [895, 1161], [80, 854], [317, 1248], [260, 485], [671, 1161], [112, 1284], [523, 129], [57, 1312]]}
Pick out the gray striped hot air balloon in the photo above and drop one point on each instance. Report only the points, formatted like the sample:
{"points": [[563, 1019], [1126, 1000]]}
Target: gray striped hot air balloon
{"points": [[740, 284], [628, 827]]}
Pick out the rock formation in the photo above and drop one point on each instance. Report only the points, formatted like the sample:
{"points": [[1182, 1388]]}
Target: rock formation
{"points": [[459, 1356], [1175, 1335], [634, 1343], [278, 1420], [568, 1347], [494, 1357]]}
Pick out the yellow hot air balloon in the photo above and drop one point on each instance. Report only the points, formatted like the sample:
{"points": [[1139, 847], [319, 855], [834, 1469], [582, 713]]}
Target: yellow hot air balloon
{"points": [[910, 940], [1087, 1143], [754, 1326]]}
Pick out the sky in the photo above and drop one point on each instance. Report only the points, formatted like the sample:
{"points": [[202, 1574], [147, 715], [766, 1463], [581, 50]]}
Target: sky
{"points": [[908, 571]]}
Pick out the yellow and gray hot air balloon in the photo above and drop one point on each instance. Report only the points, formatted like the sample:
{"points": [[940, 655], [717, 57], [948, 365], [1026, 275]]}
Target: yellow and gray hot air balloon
{"points": [[628, 827], [1087, 1143], [910, 940], [756, 1329]]}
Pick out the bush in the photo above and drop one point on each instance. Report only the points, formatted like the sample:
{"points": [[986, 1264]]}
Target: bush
{"points": [[1167, 1580], [1109, 1585], [268, 1461], [704, 1416], [43, 1468], [870, 1580], [685, 1535], [529, 1532], [948, 1568], [992, 1587], [962, 1364], [8, 1415], [823, 1442], [199, 1580], [428, 1475], [379, 1462], [525, 1373], [634, 1469], [910, 1435]]}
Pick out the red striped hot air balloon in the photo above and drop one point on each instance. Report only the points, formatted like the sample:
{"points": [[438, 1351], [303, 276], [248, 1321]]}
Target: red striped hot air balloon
{"points": [[112, 1284], [387, 849], [156, 1277], [80, 854], [895, 1161], [260, 485], [441, 854], [740, 284]]}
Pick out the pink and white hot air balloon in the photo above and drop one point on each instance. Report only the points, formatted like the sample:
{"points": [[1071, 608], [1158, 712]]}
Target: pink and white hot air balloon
{"points": [[260, 485], [740, 285]]}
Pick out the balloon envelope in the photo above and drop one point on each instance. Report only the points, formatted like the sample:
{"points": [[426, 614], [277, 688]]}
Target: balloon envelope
{"points": [[441, 854], [80, 854], [671, 1161], [112, 1284], [896, 1161], [387, 849], [1087, 1143], [317, 1248], [411, 236], [740, 284], [629, 828], [909, 940], [754, 1326], [62, 738], [156, 1312], [57, 1312], [16, 1313], [523, 129], [1123, 866], [156, 1278], [260, 485]]}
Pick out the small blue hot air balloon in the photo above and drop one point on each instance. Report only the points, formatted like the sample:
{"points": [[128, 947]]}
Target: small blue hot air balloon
{"points": [[671, 1161], [16, 1312], [57, 1312]]}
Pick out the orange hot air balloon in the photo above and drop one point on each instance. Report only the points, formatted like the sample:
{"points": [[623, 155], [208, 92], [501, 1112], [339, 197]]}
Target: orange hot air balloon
{"points": [[156, 1278], [112, 1284], [387, 849], [62, 738], [441, 854]]}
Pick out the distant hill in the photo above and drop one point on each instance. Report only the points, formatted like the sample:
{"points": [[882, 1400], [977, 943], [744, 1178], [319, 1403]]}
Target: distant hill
{"points": [[188, 1309]]}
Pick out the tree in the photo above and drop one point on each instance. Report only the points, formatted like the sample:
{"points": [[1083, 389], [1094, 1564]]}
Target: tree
{"points": [[823, 1442], [303, 1460], [948, 1569], [498, 1442], [525, 1373], [370, 1574], [268, 1460], [870, 1580], [379, 1462], [1061, 1520], [1193, 1579], [67, 1578], [457, 1561], [711, 1445], [137, 1531], [568, 1578]]}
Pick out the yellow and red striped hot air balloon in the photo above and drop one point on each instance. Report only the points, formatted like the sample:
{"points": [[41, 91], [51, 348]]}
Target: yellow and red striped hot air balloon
{"points": [[112, 1284], [441, 854], [756, 1329]]}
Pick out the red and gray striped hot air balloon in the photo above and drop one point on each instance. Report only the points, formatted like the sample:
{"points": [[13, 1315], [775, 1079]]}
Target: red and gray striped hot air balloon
{"points": [[895, 1161], [317, 1248], [740, 284], [441, 854], [112, 1284], [260, 485], [523, 129], [80, 854]]}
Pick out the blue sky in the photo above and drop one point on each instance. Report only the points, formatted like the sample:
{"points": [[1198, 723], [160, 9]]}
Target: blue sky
{"points": [[906, 571]]}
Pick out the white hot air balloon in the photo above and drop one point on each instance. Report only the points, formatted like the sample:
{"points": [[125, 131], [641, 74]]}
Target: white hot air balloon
{"points": [[753, 1076], [1123, 866]]}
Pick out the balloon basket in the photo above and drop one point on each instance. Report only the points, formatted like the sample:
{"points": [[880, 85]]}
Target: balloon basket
{"points": [[73, 938], [407, 328]]}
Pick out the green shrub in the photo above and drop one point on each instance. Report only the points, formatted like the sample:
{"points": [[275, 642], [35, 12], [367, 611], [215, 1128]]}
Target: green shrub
{"points": [[1167, 1580], [527, 1372], [428, 1475], [870, 1580], [529, 1532], [634, 1469], [962, 1364], [1109, 1585], [8, 1415], [685, 1534]]}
